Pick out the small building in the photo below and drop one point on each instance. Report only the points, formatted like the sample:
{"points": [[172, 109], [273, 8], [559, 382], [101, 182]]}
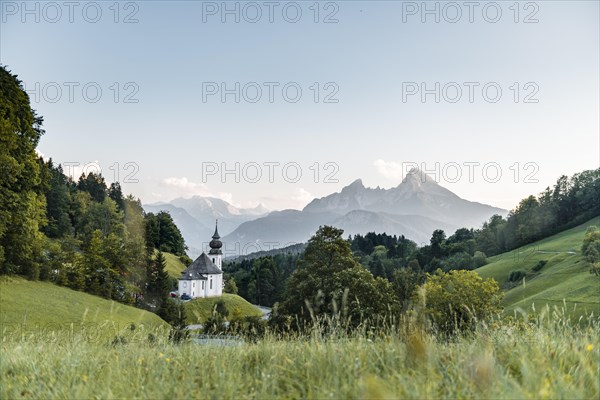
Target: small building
{"points": [[204, 277]]}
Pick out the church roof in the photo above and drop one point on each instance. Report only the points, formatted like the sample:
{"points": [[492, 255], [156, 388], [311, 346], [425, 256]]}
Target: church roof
{"points": [[202, 266]]}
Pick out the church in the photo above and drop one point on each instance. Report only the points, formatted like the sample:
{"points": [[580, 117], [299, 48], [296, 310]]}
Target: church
{"points": [[204, 277]]}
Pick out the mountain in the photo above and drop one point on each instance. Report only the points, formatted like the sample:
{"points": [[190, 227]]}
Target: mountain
{"points": [[418, 194], [414, 227], [414, 208], [288, 227], [291, 249], [196, 217], [207, 209], [278, 229]]}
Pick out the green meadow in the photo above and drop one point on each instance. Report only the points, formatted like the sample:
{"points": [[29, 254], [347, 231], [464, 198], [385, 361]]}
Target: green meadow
{"points": [[563, 281], [547, 358], [35, 306]]}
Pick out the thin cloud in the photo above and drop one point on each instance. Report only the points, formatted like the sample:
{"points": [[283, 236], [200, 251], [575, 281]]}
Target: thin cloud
{"points": [[389, 169]]}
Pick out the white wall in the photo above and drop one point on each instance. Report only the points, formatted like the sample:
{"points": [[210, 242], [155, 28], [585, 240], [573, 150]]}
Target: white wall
{"points": [[194, 288]]}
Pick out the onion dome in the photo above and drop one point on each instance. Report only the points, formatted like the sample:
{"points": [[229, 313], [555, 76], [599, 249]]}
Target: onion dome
{"points": [[215, 244]]}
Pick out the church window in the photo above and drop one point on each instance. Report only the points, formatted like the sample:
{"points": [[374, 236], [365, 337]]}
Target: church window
{"points": [[193, 284], [202, 285], [184, 283], [211, 283], [213, 259]]}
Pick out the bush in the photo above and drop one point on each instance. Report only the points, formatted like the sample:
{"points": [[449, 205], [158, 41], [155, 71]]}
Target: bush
{"points": [[230, 286], [456, 301], [539, 265], [215, 324], [479, 259], [185, 260], [516, 275], [250, 327], [591, 249], [458, 261]]}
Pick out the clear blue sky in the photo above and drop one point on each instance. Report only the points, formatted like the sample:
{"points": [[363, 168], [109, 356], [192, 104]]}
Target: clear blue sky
{"points": [[368, 56]]}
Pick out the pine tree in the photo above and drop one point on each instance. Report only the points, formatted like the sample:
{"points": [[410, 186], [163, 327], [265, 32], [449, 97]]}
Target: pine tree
{"points": [[96, 268], [115, 193], [158, 280], [161, 281]]}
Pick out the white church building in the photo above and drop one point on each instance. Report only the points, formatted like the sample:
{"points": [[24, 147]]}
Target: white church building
{"points": [[204, 277]]}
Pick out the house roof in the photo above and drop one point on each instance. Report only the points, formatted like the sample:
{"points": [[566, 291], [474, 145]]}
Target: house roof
{"points": [[201, 267]]}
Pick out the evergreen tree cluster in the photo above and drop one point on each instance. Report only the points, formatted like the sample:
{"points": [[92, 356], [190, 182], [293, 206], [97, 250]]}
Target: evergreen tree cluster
{"points": [[163, 234], [261, 280], [572, 201], [81, 234]]}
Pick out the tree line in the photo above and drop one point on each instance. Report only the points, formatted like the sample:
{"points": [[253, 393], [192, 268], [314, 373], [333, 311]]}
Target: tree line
{"points": [[82, 234], [401, 263]]}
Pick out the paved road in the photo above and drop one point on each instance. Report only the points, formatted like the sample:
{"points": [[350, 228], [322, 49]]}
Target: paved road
{"points": [[265, 310]]}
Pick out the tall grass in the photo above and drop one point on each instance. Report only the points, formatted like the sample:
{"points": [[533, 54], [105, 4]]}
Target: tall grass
{"points": [[548, 356]]}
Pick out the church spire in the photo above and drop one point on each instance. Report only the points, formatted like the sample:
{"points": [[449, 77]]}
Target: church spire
{"points": [[215, 244], [216, 234]]}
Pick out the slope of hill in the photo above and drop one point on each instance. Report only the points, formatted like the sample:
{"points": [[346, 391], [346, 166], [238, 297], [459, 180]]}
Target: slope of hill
{"points": [[174, 265], [198, 310], [42, 305], [564, 277]]}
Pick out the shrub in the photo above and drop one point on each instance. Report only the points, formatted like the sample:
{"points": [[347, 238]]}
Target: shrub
{"points": [[479, 259], [591, 249], [404, 283], [251, 327], [516, 275], [185, 260], [230, 286], [221, 309], [458, 261], [539, 265], [456, 301], [215, 324]]}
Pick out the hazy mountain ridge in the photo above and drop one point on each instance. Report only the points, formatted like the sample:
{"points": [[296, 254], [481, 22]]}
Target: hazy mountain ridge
{"points": [[417, 194], [414, 208], [196, 217]]}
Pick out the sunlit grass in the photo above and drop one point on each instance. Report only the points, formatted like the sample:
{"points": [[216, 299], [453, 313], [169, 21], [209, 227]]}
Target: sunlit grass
{"points": [[549, 357], [34, 306], [565, 277]]}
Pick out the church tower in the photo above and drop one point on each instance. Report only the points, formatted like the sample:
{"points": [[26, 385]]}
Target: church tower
{"points": [[215, 253]]}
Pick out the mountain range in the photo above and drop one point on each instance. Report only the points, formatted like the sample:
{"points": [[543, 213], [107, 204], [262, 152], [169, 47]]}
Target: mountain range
{"points": [[414, 208], [195, 217]]}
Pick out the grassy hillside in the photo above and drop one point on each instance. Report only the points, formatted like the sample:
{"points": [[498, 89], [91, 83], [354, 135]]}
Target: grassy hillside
{"points": [[174, 265], [28, 305], [564, 277], [198, 310]]}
